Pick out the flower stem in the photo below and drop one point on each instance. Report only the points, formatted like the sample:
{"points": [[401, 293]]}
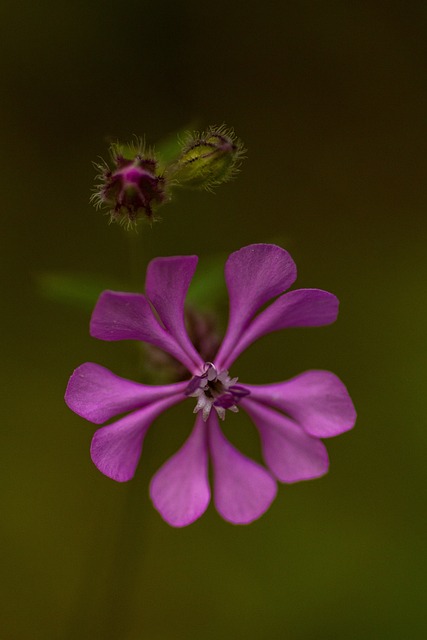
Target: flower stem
{"points": [[106, 599], [137, 259]]}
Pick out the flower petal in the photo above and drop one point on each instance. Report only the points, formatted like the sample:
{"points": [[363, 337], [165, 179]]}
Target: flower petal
{"points": [[116, 448], [180, 489], [299, 308], [254, 275], [243, 489], [166, 287], [290, 453], [317, 400], [129, 316], [97, 394]]}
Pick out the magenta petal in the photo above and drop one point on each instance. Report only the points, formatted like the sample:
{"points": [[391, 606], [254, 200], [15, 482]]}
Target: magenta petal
{"points": [[317, 400], [97, 394], [129, 316], [180, 489], [254, 275], [116, 448], [243, 489], [299, 308], [290, 453], [124, 316], [166, 287]]}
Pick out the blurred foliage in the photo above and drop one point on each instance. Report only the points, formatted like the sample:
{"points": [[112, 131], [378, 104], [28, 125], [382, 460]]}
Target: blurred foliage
{"points": [[169, 148], [207, 290], [75, 289], [81, 290]]}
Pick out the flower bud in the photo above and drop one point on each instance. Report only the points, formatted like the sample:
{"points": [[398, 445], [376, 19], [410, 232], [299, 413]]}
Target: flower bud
{"points": [[132, 187], [208, 159]]}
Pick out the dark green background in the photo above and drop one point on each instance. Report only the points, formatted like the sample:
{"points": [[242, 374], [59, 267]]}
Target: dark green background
{"points": [[330, 100]]}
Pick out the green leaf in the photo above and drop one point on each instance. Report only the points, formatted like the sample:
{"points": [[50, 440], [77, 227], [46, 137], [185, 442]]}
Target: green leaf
{"points": [[79, 290], [208, 290]]}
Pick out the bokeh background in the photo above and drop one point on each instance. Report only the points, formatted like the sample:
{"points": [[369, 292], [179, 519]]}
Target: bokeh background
{"points": [[330, 101]]}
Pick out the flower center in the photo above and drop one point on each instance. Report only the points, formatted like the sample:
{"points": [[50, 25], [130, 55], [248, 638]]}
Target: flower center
{"points": [[213, 389]]}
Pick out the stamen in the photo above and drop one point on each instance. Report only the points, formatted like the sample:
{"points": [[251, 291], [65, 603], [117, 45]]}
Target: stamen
{"points": [[213, 389]]}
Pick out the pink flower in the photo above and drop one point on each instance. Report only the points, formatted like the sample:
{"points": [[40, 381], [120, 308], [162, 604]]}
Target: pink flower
{"points": [[291, 416]]}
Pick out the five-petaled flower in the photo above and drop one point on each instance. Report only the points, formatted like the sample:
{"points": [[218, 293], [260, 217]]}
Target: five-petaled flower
{"points": [[291, 416]]}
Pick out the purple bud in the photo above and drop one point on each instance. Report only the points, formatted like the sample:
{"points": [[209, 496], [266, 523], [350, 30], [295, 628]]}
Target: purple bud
{"points": [[132, 187]]}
